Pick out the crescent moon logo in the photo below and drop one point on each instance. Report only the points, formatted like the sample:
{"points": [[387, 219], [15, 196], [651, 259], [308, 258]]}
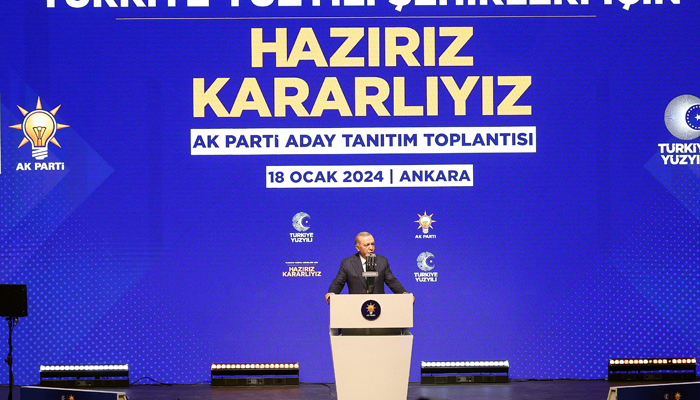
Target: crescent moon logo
{"points": [[301, 221], [426, 261], [682, 117]]}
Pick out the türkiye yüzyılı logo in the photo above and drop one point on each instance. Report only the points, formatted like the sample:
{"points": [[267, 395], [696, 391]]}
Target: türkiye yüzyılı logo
{"points": [[682, 119], [426, 263], [425, 222], [301, 223], [39, 128]]}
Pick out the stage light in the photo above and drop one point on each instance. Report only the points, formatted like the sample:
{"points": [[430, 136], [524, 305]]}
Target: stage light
{"points": [[652, 369], [254, 374], [464, 372], [74, 376]]}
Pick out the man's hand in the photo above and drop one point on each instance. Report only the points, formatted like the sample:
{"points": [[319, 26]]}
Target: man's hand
{"points": [[328, 298], [414, 297]]}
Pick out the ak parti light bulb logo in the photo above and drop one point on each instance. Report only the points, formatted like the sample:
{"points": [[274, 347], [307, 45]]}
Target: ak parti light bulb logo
{"points": [[39, 128]]}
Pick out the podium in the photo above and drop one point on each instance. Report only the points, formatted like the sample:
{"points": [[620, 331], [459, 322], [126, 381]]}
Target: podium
{"points": [[371, 356]]}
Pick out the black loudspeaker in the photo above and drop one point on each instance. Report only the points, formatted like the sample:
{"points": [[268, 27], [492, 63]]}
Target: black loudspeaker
{"points": [[13, 300]]}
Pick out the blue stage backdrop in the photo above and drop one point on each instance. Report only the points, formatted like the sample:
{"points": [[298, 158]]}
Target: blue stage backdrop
{"points": [[211, 161]]}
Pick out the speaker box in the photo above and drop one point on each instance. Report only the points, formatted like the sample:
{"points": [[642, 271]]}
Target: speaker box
{"points": [[13, 300]]}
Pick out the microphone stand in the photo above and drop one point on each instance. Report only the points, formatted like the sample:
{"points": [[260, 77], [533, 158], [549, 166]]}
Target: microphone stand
{"points": [[11, 323]]}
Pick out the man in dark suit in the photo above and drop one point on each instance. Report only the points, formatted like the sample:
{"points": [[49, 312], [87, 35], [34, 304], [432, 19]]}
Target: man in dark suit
{"points": [[351, 270]]}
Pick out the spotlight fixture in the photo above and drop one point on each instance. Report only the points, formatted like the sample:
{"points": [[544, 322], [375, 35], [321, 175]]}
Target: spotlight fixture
{"points": [[254, 374], [463, 372], [72, 376], [652, 369]]}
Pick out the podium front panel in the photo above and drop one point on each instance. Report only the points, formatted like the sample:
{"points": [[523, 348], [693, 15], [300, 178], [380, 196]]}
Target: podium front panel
{"points": [[396, 311], [372, 367]]}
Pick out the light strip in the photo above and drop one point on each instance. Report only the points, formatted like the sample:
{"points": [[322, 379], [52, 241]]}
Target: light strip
{"points": [[463, 364], [105, 367], [218, 366], [647, 361]]}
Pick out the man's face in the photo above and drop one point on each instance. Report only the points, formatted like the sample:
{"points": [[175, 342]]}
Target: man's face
{"points": [[365, 245]]}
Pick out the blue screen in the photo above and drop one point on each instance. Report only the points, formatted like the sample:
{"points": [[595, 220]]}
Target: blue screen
{"points": [[212, 161]]}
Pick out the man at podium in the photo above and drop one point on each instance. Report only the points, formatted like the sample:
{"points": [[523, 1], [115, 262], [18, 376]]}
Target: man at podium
{"points": [[352, 268]]}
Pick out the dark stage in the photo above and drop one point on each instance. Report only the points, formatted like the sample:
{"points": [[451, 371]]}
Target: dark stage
{"points": [[560, 389]]}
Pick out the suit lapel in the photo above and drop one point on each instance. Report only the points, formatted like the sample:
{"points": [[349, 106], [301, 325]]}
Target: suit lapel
{"points": [[357, 264]]}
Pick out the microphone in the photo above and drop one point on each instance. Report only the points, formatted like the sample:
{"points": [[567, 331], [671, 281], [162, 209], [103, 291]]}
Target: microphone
{"points": [[371, 262], [371, 265]]}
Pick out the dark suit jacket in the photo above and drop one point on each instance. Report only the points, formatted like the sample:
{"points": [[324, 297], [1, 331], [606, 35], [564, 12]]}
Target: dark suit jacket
{"points": [[351, 272]]}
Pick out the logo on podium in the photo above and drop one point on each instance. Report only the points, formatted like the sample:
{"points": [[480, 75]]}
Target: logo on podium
{"points": [[371, 310]]}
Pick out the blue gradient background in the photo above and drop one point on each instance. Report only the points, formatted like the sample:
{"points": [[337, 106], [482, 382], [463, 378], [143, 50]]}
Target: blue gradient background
{"points": [[139, 253]]}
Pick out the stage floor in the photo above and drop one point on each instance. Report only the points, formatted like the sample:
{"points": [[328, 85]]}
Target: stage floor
{"points": [[541, 390]]}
